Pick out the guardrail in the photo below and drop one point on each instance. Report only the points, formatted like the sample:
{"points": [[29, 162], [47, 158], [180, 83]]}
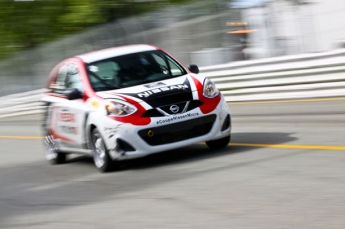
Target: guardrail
{"points": [[21, 104], [291, 77], [306, 78]]}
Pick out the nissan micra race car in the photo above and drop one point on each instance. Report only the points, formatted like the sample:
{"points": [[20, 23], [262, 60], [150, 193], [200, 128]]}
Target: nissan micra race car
{"points": [[128, 102]]}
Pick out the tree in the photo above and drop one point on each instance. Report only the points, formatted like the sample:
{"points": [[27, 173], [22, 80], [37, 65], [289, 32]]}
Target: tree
{"points": [[25, 24]]}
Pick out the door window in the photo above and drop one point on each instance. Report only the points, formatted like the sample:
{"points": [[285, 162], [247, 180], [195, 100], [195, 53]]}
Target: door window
{"points": [[68, 78]]}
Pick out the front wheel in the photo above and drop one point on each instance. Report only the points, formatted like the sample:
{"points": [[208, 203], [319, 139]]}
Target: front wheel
{"points": [[101, 157], [219, 143]]}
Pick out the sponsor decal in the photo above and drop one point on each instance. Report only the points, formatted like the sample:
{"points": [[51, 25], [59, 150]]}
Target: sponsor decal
{"points": [[93, 68], [162, 96], [146, 94], [66, 117], [177, 117], [53, 126], [69, 130], [95, 103], [156, 84]]}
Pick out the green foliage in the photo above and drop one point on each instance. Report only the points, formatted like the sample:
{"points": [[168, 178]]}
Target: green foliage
{"points": [[25, 24]]}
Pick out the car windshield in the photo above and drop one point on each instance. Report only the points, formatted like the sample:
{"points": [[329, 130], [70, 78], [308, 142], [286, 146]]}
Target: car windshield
{"points": [[132, 69]]}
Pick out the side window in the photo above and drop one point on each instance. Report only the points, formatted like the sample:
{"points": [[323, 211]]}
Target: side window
{"points": [[68, 78]]}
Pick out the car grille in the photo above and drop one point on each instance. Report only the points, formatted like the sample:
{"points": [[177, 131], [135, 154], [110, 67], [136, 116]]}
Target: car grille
{"points": [[178, 131], [165, 110]]}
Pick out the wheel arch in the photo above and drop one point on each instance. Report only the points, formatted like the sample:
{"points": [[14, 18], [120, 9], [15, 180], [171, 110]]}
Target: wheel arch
{"points": [[90, 125]]}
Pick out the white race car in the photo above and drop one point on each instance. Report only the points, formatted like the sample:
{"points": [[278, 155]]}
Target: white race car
{"points": [[128, 102]]}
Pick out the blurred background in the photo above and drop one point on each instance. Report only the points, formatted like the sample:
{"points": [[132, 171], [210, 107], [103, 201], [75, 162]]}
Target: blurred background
{"points": [[37, 34], [281, 69]]}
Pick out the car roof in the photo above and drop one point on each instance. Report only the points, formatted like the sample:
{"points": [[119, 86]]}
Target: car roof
{"points": [[116, 51]]}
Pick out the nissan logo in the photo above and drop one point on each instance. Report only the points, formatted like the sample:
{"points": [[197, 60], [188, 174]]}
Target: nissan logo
{"points": [[174, 109]]}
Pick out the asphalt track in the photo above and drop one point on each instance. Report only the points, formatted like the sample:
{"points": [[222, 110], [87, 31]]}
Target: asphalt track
{"points": [[284, 169]]}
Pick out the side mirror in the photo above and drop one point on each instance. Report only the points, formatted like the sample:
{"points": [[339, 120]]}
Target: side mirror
{"points": [[73, 94], [193, 68]]}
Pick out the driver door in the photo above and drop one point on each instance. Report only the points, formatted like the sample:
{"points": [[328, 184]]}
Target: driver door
{"points": [[68, 116]]}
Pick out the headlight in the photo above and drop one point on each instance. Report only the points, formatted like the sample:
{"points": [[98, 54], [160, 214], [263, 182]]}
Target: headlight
{"points": [[120, 109], [210, 90]]}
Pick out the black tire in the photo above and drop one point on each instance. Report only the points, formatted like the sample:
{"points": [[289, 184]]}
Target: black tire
{"points": [[61, 158], [219, 143], [100, 153]]}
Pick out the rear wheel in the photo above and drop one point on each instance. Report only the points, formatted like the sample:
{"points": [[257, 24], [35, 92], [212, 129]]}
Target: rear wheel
{"points": [[219, 143], [51, 151], [52, 154], [101, 157]]}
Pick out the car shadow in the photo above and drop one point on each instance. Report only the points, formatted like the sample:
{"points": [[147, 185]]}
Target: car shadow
{"points": [[197, 151], [201, 151]]}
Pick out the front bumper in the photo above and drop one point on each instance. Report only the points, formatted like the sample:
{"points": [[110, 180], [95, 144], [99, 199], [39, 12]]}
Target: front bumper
{"points": [[127, 141], [177, 132]]}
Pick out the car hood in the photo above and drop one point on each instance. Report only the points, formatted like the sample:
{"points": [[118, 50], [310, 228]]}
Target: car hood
{"points": [[157, 93]]}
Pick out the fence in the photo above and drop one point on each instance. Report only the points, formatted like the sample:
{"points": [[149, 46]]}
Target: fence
{"points": [[291, 77], [181, 30]]}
